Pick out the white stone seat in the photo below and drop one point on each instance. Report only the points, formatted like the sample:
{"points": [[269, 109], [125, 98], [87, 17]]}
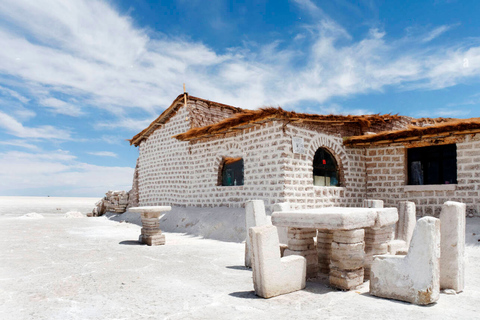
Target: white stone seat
{"points": [[273, 275], [255, 216], [404, 229], [414, 278]]}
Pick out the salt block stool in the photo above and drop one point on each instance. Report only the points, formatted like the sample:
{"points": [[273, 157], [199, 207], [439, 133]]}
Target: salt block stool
{"points": [[151, 233], [255, 216], [273, 275], [452, 258], [370, 203], [404, 229], [413, 278]]}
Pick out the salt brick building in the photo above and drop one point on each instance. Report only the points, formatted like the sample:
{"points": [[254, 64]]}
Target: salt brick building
{"points": [[207, 154]]}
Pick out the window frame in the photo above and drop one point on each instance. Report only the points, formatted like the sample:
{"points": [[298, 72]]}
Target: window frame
{"points": [[325, 168], [237, 165], [435, 161]]}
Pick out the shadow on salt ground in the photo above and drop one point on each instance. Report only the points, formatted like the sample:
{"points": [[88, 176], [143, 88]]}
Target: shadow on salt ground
{"points": [[238, 268], [131, 243], [367, 294], [245, 295]]}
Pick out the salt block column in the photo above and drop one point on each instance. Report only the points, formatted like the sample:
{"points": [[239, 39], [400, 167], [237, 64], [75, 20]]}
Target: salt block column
{"points": [[376, 243], [452, 244], [324, 250], [346, 267], [151, 233], [301, 243]]}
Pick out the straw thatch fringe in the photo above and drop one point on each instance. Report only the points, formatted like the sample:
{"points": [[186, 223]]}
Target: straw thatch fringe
{"points": [[453, 127], [248, 118]]}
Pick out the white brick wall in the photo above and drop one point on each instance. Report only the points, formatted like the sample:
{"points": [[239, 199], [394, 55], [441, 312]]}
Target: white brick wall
{"points": [[299, 188], [164, 164], [173, 172], [387, 176]]}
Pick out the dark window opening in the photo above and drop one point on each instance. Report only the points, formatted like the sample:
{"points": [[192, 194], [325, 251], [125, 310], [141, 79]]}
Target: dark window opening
{"points": [[232, 172], [325, 169], [432, 165]]}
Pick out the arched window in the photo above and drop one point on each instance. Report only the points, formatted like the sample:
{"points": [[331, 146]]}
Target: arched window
{"points": [[325, 169], [232, 172]]}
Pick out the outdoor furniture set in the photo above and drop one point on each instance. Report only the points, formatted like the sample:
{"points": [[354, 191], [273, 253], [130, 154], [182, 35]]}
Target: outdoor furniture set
{"points": [[353, 245]]}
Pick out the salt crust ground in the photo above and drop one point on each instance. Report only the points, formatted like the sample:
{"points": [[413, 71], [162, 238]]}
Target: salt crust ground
{"points": [[94, 268]]}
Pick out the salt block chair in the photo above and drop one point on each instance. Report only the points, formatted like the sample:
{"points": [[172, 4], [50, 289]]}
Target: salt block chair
{"points": [[370, 203], [273, 275], [404, 229], [414, 278], [255, 216], [452, 258], [282, 231]]}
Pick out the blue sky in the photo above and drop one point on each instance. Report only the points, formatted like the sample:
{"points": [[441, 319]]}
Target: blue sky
{"points": [[79, 77]]}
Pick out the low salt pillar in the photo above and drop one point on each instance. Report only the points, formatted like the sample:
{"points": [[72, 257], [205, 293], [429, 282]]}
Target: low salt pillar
{"points": [[255, 216], [414, 278], [452, 258], [347, 260]]}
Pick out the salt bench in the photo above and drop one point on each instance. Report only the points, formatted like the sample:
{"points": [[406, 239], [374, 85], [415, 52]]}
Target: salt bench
{"points": [[341, 231], [151, 233]]}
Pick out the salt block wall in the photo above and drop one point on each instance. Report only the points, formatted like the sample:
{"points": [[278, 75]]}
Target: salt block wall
{"points": [[387, 178], [262, 148], [173, 172], [299, 188], [164, 164]]}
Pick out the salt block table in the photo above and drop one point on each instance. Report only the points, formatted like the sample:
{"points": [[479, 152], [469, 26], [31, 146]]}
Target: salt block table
{"points": [[347, 239], [151, 233]]}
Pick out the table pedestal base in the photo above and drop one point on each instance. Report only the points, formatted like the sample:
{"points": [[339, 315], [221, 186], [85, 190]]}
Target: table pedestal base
{"points": [[376, 243], [300, 242], [348, 257], [324, 250], [151, 233]]}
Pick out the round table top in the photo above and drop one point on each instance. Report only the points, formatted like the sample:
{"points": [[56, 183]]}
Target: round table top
{"points": [[150, 209]]}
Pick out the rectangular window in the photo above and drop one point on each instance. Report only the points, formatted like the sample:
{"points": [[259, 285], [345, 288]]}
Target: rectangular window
{"points": [[432, 165], [232, 172]]}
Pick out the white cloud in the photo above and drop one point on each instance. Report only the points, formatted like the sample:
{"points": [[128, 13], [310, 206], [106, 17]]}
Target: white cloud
{"points": [[104, 154], [86, 49], [15, 128], [59, 171], [61, 107], [21, 143], [435, 33]]}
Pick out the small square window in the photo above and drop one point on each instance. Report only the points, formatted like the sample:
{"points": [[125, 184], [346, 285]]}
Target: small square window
{"points": [[432, 165]]}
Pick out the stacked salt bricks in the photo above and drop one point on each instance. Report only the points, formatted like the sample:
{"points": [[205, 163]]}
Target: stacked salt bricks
{"points": [[324, 250], [114, 201], [301, 243]]}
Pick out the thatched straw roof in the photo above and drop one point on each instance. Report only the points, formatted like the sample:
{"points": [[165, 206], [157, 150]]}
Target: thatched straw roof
{"points": [[440, 130], [170, 112], [249, 118]]}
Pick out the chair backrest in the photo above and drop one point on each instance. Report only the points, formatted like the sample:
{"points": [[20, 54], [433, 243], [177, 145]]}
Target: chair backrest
{"points": [[255, 214], [406, 221], [265, 244], [425, 244], [370, 203]]}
